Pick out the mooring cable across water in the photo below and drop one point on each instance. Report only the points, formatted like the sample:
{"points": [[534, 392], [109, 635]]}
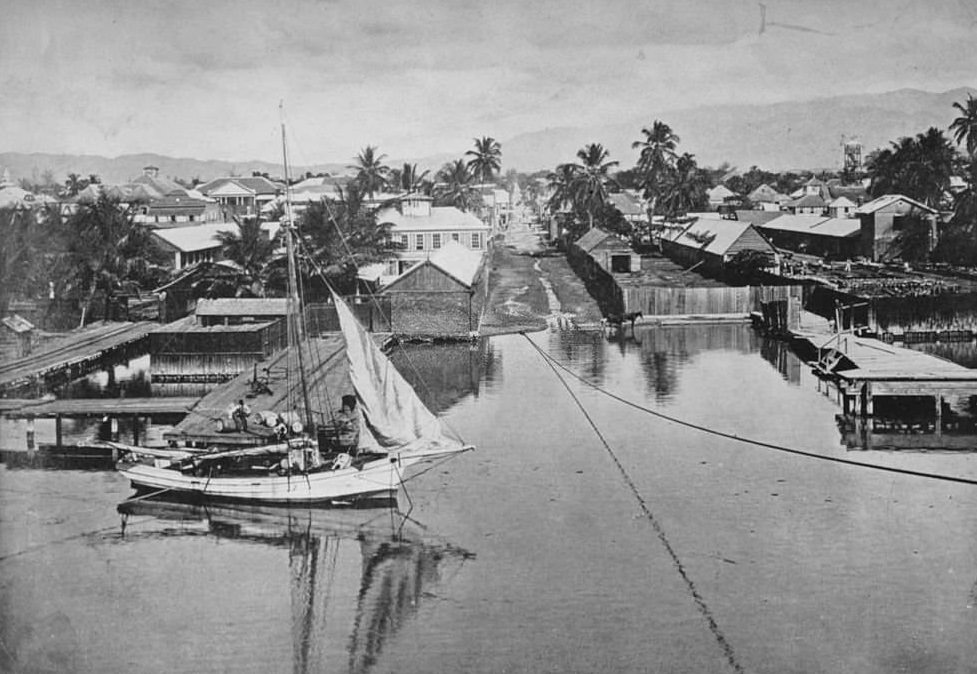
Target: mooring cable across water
{"points": [[700, 602], [749, 441]]}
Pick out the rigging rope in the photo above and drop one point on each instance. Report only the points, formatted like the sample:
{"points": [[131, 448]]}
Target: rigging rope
{"points": [[749, 441], [700, 603]]}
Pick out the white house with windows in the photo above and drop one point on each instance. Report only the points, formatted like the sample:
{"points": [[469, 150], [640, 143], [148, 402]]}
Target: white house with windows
{"points": [[422, 228], [194, 243]]}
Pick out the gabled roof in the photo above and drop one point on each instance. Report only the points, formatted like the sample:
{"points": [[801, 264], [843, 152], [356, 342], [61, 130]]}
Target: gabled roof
{"points": [[724, 233], [815, 224], [17, 323], [856, 193], [789, 222], [442, 218], [840, 227], [163, 186], [766, 193], [757, 218], [257, 185], [807, 201], [720, 192], [842, 202], [626, 204], [888, 200], [458, 262], [195, 237], [598, 237], [241, 306]]}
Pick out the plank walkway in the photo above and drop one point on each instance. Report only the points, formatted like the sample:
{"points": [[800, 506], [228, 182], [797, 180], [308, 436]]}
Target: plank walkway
{"points": [[874, 360], [97, 407], [76, 350], [328, 380]]}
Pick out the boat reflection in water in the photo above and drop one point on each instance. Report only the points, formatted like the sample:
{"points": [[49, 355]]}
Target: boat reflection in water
{"points": [[356, 575]]}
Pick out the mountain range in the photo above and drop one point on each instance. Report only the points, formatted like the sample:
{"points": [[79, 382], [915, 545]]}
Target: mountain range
{"points": [[775, 137], [778, 136]]}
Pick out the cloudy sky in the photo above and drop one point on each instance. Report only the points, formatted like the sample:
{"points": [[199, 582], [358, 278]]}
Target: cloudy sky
{"points": [[204, 79]]}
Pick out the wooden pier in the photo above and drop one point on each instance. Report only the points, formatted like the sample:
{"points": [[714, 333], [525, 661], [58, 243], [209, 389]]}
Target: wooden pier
{"points": [[867, 369], [72, 356], [113, 408]]}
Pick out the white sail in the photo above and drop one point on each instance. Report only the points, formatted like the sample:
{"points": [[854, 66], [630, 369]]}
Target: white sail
{"points": [[393, 413]]}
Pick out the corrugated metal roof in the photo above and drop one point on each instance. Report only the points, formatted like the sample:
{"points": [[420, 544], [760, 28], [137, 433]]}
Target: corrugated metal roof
{"points": [[243, 306], [807, 201], [18, 323], [625, 203], [794, 223], [724, 233], [839, 227], [457, 261], [757, 218], [888, 200], [442, 218], [195, 237]]}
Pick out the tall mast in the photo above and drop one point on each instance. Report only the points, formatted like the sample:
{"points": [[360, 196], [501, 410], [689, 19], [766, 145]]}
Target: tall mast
{"points": [[294, 318]]}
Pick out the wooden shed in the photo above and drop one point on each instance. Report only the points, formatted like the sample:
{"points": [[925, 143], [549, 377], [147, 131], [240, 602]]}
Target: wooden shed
{"points": [[711, 244], [440, 297], [609, 251]]}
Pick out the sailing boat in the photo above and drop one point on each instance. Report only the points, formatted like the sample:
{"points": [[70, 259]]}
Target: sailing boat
{"points": [[396, 431]]}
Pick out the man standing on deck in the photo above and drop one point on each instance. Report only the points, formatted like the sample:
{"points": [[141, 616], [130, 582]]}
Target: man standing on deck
{"points": [[240, 415]]}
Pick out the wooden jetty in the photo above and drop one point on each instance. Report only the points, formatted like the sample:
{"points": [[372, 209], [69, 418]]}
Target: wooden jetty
{"points": [[327, 380], [72, 356], [865, 369], [112, 408]]}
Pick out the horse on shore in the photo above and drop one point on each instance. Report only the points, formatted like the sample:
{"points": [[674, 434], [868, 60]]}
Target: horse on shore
{"points": [[617, 321]]}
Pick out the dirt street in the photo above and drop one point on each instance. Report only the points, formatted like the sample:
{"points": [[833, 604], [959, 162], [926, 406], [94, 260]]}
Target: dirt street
{"points": [[525, 291]]}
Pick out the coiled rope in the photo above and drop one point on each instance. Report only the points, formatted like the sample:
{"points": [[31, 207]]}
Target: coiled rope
{"points": [[749, 441]]}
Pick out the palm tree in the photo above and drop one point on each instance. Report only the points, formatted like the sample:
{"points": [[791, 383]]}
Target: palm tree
{"points": [[343, 235], [964, 127], [685, 187], [918, 167], [250, 248], [562, 182], [74, 184], [408, 179], [111, 251], [486, 158], [592, 179], [656, 158], [371, 174], [455, 186]]}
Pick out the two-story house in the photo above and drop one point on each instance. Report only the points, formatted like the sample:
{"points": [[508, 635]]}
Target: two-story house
{"points": [[420, 228]]}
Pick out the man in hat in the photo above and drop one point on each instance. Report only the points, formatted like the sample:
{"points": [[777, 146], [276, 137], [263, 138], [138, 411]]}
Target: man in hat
{"points": [[348, 425]]}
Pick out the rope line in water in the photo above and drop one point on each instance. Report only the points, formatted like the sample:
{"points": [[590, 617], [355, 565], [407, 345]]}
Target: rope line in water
{"points": [[700, 603], [750, 441]]}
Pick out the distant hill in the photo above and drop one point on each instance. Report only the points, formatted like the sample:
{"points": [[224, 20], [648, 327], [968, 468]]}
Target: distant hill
{"points": [[126, 167], [780, 136]]}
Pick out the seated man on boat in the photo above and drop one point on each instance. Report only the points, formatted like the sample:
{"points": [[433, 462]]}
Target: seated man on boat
{"points": [[348, 425]]}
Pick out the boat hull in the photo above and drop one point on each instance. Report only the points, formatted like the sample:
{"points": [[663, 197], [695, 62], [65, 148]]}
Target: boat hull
{"points": [[377, 479]]}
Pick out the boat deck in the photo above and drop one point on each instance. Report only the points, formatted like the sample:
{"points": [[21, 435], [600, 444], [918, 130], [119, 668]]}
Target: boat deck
{"points": [[327, 380]]}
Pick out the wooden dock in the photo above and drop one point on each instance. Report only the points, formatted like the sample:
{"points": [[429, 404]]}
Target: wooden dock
{"points": [[72, 356], [100, 407], [866, 369], [328, 380]]}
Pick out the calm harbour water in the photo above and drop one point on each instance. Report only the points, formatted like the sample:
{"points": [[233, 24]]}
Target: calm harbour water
{"points": [[542, 551]]}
